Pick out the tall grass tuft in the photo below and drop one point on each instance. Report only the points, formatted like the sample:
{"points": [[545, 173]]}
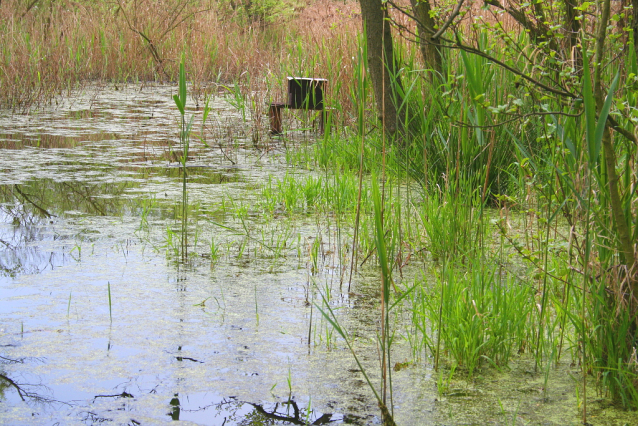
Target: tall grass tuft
{"points": [[480, 313]]}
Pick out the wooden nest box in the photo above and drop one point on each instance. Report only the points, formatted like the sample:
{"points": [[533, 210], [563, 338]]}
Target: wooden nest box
{"points": [[303, 93]]}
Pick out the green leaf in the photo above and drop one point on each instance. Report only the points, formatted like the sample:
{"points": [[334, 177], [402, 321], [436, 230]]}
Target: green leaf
{"points": [[206, 110], [182, 84], [590, 111], [600, 126], [178, 102]]}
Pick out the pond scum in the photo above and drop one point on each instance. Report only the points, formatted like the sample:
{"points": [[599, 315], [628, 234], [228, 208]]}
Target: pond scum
{"points": [[503, 221]]}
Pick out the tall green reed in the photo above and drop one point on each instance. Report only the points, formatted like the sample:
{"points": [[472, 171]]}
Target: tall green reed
{"points": [[184, 138], [572, 183]]}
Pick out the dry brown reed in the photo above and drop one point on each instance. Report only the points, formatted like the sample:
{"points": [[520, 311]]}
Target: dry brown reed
{"points": [[58, 45]]}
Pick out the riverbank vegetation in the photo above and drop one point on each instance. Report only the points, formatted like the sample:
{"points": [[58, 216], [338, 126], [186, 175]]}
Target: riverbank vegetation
{"points": [[509, 174]]}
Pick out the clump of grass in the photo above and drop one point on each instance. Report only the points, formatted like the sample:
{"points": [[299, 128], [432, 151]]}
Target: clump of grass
{"points": [[479, 314], [453, 230]]}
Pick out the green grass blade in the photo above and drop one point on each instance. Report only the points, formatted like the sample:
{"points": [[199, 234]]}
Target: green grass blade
{"points": [[110, 309], [182, 84], [379, 236], [179, 104], [604, 112], [590, 111]]}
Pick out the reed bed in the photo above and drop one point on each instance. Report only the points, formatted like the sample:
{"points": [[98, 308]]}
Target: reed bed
{"points": [[54, 47]]}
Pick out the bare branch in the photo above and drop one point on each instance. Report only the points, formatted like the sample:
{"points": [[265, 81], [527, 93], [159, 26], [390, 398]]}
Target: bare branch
{"points": [[447, 23], [15, 385], [560, 92], [518, 117], [616, 126]]}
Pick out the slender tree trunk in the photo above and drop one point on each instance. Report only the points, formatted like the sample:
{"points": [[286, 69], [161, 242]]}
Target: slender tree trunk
{"points": [[383, 64], [626, 247], [430, 49]]}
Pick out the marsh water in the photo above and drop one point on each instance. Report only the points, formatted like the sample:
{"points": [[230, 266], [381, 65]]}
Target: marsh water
{"points": [[105, 320]]}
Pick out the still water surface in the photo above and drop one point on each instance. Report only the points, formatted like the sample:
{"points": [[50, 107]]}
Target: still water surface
{"points": [[90, 195], [103, 322]]}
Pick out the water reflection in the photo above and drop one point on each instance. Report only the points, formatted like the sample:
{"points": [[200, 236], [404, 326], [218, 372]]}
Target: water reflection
{"points": [[200, 174], [291, 414], [175, 407], [230, 410], [202, 408], [30, 392], [48, 141], [29, 214], [21, 227], [47, 198], [39, 202]]}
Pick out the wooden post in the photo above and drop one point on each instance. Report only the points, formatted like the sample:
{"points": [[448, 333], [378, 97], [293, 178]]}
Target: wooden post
{"points": [[274, 112]]}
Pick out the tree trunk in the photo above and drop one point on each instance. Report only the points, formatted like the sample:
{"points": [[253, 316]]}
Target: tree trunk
{"points": [[572, 26], [429, 48], [383, 65], [625, 244]]}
